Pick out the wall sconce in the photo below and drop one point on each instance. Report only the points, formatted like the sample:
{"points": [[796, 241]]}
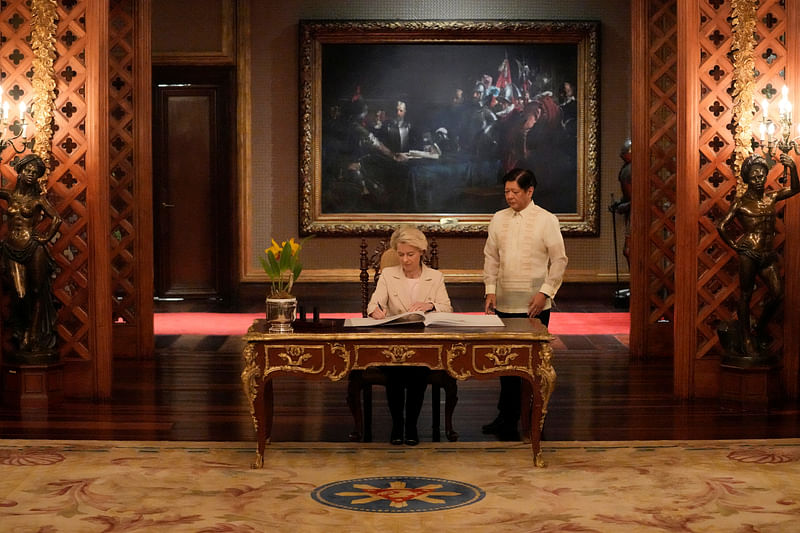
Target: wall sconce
{"points": [[783, 141], [13, 131]]}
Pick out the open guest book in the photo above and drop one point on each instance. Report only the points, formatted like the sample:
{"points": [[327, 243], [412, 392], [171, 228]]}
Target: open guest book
{"points": [[428, 319]]}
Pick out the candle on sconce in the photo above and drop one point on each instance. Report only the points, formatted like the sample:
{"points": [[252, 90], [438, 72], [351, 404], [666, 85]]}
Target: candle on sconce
{"points": [[22, 109], [784, 106], [5, 110], [769, 144]]}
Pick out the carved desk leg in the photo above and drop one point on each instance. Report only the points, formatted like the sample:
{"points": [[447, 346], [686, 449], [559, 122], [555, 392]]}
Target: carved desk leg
{"points": [[546, 380], [259, 395], [528, 415]]}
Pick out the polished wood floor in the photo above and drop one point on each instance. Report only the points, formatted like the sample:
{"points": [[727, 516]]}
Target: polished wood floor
{"points": [[191, 391]]}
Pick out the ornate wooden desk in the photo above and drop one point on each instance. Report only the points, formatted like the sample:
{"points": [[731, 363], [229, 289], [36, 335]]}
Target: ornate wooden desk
{"points": [[327, 350]]}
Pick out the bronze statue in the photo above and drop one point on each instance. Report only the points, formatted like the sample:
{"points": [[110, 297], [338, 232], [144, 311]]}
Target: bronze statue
{"points": [[747, 344], [27, 265]]}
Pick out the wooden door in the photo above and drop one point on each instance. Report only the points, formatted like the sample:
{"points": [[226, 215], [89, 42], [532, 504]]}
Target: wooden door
{"points": [[192, 184]]}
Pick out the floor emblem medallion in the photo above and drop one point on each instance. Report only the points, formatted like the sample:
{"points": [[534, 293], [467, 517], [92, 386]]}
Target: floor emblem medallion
{"points": [[397, 494]]}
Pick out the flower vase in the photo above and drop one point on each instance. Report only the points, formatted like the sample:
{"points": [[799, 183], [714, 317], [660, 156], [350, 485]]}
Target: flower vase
{"points": [[281, 314]]}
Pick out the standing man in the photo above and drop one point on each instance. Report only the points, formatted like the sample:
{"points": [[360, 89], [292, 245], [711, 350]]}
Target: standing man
{"points": [[524, 263]]}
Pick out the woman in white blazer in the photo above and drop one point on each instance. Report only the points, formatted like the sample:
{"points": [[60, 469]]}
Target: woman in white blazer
{"points": [[409, 286]]}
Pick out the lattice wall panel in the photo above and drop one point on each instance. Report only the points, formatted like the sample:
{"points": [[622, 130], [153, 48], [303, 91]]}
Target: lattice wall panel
{"points": [[67, 180], [663, 144], [717, 264], [715, 179], [15, 70], [771, 60], [122, 193]]}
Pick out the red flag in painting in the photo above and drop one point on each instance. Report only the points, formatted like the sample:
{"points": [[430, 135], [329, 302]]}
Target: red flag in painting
{"points": [[503, 74]]}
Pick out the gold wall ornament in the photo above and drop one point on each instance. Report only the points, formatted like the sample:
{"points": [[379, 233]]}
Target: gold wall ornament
{"points": [[43, 31], [743, 22]]}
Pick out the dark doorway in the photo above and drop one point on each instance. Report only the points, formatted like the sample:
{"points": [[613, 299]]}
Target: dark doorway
{"points": [[193, 182]]}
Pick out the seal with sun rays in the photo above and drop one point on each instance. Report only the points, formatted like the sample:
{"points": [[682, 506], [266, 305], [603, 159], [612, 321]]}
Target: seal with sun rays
{"points": [[397, 494]]}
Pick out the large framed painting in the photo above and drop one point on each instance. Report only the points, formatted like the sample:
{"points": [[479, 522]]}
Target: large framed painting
{"points": [[418, 121]]}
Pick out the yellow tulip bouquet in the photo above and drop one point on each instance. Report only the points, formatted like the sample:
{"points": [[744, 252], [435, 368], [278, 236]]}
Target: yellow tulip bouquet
{"points": [[282, 265]]}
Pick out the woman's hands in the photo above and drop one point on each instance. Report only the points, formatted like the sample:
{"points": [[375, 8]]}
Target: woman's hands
{"points": [[422, 306], [379, 312]]}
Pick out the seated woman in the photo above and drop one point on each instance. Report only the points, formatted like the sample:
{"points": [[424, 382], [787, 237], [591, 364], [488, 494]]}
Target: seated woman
{"points": [[409, 286]]}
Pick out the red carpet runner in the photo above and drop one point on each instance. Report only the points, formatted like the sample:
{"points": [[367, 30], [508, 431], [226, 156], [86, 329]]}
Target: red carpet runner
{"points": [[237, 323]]}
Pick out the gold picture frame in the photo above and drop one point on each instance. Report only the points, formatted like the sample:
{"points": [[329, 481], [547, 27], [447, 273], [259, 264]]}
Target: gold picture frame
{"points": [[479, 98]]}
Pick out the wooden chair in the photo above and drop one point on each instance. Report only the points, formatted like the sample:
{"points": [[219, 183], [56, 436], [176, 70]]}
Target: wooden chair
{"points": [[361, 381]]}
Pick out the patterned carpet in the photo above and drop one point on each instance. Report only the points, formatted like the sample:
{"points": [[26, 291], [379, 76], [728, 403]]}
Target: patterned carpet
{"points": [[695, 486]]}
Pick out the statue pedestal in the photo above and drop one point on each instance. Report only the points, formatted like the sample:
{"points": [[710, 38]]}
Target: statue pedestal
{"points": [[750, 389], [33, 386]]}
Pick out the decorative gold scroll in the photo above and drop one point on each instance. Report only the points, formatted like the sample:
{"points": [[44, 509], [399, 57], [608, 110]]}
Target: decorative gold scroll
{"points": [[43, 31], [743, 20], [251, 378]]}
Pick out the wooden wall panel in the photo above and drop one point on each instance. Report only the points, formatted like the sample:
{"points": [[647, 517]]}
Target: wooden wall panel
{"points": [[130, 177], [654, 144], [682, 273], [81, 285], [791, 314], [707, 287], [710, 172]]}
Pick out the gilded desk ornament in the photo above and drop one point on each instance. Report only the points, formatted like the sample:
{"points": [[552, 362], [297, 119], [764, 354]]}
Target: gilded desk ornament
{"points": [[547, 378], [295, 356], [339, 350], [454, 352], [398, 354], [501, 358], [251, 378], [502, 355]]}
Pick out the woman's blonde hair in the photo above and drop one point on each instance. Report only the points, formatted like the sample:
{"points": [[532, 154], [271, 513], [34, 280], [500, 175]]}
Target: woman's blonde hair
{"points": [[409, 235]]}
